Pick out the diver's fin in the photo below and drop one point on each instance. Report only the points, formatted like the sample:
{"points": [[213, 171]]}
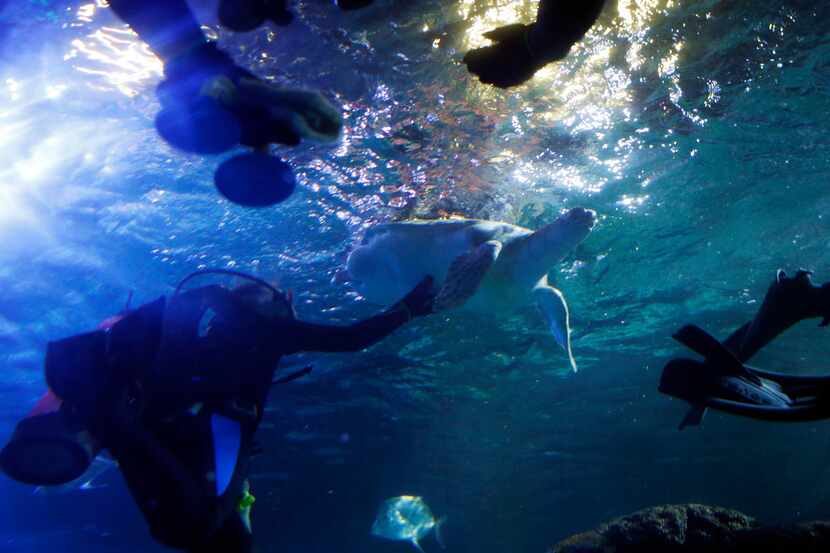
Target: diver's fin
{"points": [[227, 440], [700, 341], [555, 309], [694, 417], [465, 275], [255, 180], [414, 541], [440, 522]]}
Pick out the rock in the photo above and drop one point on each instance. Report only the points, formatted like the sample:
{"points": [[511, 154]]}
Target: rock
{"points": [[665, 529], [810, 537]]}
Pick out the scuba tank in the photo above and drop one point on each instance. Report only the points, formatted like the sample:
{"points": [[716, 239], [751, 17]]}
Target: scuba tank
{"points": [[52, 444], [47, 447]]}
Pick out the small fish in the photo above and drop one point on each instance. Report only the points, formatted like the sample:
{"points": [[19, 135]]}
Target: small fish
{"points": [[406, 517]]}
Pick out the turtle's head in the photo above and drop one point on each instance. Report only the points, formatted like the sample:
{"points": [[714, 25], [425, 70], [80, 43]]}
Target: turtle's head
{"points": [[573, 226], [548, 245]]}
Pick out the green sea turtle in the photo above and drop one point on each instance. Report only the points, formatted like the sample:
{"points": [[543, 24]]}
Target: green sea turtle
{"points": [[484, 266]]}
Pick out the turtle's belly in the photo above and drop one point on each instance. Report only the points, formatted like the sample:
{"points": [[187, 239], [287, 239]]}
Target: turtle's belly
{"points": [[402, 273], [495, 296], [402, 264]]}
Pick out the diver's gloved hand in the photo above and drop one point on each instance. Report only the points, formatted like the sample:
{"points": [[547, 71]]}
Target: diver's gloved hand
{"points": [[210, 105], [353, 4], [419, 301], [247, 15]]}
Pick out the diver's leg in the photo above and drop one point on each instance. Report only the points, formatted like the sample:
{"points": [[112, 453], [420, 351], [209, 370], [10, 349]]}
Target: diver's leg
{"points": [[167, 26], [172, 501]]}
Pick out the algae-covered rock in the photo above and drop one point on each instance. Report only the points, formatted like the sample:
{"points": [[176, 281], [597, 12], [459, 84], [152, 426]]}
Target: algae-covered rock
{"points": [[699, 529], [668, 528]]}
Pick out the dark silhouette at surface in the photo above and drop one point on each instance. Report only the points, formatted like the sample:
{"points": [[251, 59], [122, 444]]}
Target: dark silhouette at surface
{"points": [[521, 50], [722, 381], [247, 15], [353, 4], [210, 105], [175, 391]]}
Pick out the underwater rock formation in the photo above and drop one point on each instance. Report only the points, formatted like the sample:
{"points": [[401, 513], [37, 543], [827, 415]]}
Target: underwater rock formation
{"points": [[695, 528]]}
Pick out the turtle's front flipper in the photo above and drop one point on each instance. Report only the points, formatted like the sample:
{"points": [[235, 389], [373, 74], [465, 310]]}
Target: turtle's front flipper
{"points": [[465, 275], [555, 309]]}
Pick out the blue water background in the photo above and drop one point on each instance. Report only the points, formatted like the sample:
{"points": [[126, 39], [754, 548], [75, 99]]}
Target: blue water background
{"points": [[698, 130]]}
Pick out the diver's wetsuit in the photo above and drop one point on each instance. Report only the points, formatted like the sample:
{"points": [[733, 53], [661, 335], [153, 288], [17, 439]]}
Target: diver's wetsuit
{"points": [[216, 357]]}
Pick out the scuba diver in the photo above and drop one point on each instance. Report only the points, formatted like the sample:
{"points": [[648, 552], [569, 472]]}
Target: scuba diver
{"points": [[210, 105], [722, 381], [521, 50], [175, 391]]}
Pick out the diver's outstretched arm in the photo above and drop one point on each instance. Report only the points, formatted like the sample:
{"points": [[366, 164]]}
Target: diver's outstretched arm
{"points": [[167, 26], [312, 337], [355, 337]]}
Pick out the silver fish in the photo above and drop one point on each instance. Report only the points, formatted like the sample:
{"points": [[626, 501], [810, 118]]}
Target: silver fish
{"points": [[406, 517]]}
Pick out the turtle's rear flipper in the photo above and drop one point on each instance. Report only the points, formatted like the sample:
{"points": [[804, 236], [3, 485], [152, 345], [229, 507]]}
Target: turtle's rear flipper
{"points": [[555, 309], [465, 275]]}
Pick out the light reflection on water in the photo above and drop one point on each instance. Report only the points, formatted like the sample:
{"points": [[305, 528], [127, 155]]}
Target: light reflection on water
{"points": [[583, 131], [116, 55]]}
